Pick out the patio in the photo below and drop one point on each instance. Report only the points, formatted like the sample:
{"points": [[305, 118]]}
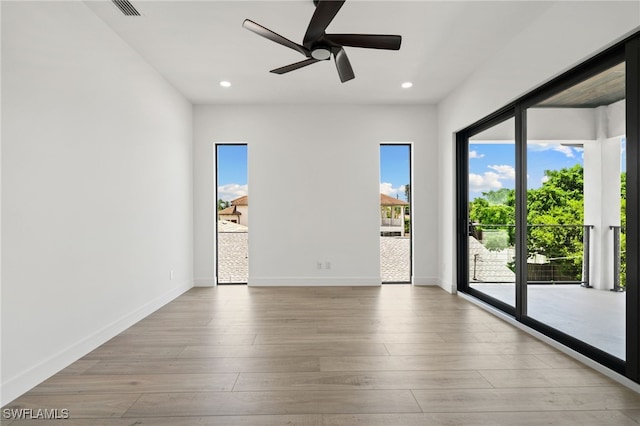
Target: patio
{"points": [[596, 317]]}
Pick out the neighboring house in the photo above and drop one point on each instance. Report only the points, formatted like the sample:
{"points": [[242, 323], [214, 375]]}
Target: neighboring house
{"points": [[230, 214], [392, 216], [237, 212]]}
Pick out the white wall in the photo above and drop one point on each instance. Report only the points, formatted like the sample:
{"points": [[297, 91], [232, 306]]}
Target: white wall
{"points": [[328, 157], [96, 189], [243, 219], [563, 36]]}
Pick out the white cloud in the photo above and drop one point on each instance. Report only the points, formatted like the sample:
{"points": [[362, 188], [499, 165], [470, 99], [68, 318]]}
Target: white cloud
{"points": [[491, 180], [474, 154], [544, 179], [387, 189], [231, 191], [566, 150], [485, 182], [539, 147], [504, 171]]}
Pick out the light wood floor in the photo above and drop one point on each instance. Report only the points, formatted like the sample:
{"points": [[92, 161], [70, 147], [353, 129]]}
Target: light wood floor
{"points": [[391, 355]]}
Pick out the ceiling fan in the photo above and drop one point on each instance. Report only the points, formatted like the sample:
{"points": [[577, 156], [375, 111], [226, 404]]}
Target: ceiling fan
{"points": [[318, 46]]}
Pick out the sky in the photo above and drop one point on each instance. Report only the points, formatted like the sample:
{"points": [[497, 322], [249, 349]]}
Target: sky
{"points": [[492, 166], [232, 170], [395, 169]]}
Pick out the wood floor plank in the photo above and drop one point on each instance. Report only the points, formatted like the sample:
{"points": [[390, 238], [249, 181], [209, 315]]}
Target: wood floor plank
{"points": [[513, 336], [480, 348], [545, 378], [310, 349], [208, 365], [136, 383], [290, 338], [79, 405], [257, 420], [228, 329], [275, 402], [562, 418], [632, 414], [349, 327], [366, 380], [79, 367], [559, 360], [108, 351], [439, 362], [534, 399], [168, 321], [181, 339]]}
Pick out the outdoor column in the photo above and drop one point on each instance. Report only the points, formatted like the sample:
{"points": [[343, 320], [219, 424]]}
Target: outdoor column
{"points": [[601, 199]]}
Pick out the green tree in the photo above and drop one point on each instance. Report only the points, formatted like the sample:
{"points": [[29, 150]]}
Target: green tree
{"points": [[558, 203], [407, 196], [483, 211], [496, 240], [222, 204], [501, 196]]}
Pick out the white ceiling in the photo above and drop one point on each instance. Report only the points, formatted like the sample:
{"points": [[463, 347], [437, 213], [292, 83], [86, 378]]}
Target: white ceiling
{"points": [[196, 44]]}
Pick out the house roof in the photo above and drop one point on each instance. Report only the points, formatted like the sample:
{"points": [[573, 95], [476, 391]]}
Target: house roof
{"points": [[226, 226], [231, 210], [385, 200], [241, 201]]}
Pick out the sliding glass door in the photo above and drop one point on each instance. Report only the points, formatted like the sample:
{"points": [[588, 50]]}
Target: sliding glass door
{"points": [[576, 234], [548, 194], [491, 252]]}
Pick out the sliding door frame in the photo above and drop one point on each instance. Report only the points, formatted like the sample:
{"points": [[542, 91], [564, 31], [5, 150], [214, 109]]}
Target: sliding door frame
{"points": [[627, 51], [632, 53], [462, 201]]}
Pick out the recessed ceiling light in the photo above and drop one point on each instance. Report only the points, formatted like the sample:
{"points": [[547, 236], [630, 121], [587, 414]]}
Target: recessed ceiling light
{"points": [[225, 84], [407, 84]]}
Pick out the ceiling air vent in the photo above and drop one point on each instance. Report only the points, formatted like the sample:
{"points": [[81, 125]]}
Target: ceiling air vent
{"points": [[126, 7]]}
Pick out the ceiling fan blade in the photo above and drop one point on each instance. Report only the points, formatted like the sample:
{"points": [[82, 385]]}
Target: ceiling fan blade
{"points": [[370, 41], [267, 33], [344, 66], [325, 11], [295, 66]]}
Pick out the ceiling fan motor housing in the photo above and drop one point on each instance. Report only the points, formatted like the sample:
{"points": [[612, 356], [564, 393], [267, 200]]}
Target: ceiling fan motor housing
{"points": [[321, 53]]}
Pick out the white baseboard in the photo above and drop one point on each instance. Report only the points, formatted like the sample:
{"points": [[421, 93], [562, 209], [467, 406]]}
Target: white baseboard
{"points": [[314, 281], [425, 281], [447, 286], [204, 282], [21, 383]]}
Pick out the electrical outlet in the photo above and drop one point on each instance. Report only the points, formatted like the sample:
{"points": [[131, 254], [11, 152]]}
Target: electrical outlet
{"points": [[171, 274], [327, 265], [319, 265]]}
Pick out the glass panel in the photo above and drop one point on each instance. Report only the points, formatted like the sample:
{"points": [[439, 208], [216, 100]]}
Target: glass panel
{"points": [[492, 212], [395, 213], [232, 214], [576, 211]]}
